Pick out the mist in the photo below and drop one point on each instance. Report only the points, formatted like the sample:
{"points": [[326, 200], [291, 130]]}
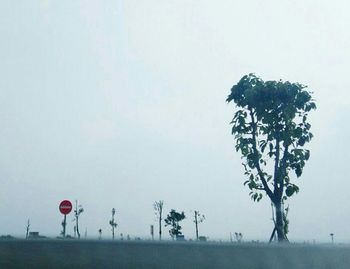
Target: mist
{"points": [[119, 104]]}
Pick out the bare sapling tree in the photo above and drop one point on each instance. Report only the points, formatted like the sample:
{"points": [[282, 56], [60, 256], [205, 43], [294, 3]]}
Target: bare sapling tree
{"points": [[238, 237], [271, 128], [113, 223], [198, 218], [27, 229], [158, 208], [77, 211]]}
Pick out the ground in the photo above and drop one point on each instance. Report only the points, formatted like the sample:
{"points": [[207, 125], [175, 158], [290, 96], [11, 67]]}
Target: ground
{"points": [[145, 254]]}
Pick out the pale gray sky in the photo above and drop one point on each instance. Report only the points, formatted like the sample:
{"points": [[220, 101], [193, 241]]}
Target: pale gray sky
{"points": [[121, 103]]}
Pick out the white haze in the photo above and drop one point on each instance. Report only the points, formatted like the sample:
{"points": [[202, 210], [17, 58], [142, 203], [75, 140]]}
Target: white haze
{"points": [[121, 103]]}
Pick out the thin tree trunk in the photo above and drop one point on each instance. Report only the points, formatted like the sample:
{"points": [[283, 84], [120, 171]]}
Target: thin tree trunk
{"points": [[78, 233], [27, 230], [279, 222], [160, 227], [196, 222]]}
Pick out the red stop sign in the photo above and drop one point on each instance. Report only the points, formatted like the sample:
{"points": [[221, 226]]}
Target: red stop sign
{"points": [[65, 207]]}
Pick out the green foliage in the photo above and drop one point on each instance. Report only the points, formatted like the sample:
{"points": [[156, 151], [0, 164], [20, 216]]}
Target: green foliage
{"points": [[291, 189], [173, 219], [270, 128]]}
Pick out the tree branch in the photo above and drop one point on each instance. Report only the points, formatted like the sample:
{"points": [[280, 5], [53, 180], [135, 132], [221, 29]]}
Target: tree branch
{"points": [[256, 159], [276, 170], [283, 171]]}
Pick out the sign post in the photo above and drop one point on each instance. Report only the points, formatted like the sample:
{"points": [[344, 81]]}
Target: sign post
{"points": [[65, 208], [152, 231]]}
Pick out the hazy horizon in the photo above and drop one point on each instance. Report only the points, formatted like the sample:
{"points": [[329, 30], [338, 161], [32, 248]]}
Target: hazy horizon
{"points": [[122, 103]]}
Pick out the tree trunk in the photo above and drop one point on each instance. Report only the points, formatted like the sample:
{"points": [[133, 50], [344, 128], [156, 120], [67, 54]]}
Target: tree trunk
{"points": [[78, 233], [160, 228], [196, 222], [279, 222]]}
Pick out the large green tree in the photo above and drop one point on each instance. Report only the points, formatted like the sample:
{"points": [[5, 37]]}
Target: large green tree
{"points": [[270, 128]]}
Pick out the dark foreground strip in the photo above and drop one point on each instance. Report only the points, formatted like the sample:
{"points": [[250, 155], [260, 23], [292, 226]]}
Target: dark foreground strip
{"points": [[108, 254]]}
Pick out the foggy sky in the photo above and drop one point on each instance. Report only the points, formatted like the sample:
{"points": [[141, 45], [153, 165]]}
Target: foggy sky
{"points": [[121, 103]]}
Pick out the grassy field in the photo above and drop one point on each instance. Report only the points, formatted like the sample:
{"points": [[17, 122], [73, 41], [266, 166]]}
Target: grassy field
{"points": [[143, 254]]}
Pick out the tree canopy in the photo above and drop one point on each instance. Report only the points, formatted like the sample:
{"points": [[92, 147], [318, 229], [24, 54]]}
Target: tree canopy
{"points": [[173, 219]]}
